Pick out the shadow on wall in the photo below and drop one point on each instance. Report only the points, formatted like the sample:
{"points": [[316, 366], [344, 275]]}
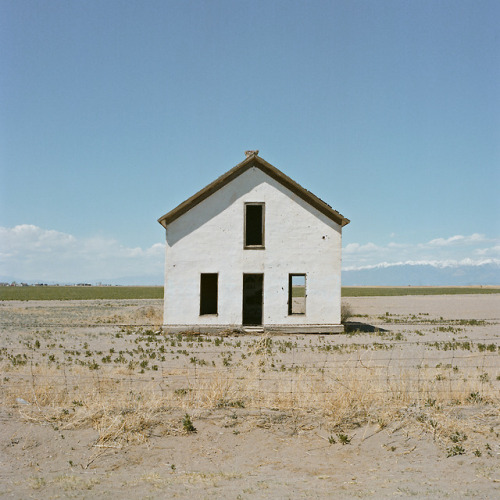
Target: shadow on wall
{"points": [[206, 210]]}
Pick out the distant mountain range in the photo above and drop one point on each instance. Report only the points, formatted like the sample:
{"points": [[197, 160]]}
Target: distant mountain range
{"points": [[423, 275], [383, 275]]}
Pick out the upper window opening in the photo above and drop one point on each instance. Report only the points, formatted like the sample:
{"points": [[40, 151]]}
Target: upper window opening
{"points": [[208, 293], [254, 225], [296, 294]]}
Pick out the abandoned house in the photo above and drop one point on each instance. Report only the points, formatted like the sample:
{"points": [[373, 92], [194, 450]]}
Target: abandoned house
{"points": [[253, 251]]}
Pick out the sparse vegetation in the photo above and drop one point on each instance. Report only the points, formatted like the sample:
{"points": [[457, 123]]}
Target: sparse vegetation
{"points": [[133, 383], [275, 373]]}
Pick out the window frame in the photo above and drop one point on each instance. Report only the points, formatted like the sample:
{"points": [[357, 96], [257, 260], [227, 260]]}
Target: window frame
{"points": [[202, 302], [290, 294], [262, 246]]}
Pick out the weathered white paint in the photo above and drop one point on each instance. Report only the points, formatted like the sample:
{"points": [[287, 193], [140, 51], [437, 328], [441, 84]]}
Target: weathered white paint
{"points": [[209, 239]]}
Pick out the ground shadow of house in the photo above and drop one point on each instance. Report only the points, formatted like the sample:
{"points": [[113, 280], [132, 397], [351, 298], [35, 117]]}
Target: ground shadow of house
{"points": [[356, 326]]}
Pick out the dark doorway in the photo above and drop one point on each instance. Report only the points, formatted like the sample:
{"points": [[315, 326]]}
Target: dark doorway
{"points": [[252, 299]]}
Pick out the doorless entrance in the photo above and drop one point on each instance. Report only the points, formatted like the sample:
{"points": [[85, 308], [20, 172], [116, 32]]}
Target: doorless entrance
{"points": [[252, 299]]}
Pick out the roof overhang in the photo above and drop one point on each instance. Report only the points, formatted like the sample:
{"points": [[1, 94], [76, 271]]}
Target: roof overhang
{"points": [[267, 168]]}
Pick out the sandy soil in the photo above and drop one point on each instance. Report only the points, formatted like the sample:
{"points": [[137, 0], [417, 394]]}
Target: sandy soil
{"points": [[258, 451]]}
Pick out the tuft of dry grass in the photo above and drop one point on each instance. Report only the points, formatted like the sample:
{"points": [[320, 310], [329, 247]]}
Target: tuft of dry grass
{"points": [[144, 315], [345, 312]]}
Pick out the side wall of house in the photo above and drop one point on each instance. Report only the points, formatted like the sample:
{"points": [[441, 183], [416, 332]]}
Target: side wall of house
{"points": [[209, 239]]}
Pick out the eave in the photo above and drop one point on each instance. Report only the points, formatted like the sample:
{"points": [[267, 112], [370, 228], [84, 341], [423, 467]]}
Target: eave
{"points": [[276, 174]]}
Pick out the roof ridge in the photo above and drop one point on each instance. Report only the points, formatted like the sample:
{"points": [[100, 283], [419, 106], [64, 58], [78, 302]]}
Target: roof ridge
{"points": [[253, 160]]}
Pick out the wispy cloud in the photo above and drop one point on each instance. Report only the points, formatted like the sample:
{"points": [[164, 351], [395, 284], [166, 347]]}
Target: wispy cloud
{"points": [[458, 250], [457, 240], [440, 264], [32, 253]]}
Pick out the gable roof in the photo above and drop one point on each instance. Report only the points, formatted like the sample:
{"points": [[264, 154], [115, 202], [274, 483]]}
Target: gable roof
{"points": [[253, 160]]}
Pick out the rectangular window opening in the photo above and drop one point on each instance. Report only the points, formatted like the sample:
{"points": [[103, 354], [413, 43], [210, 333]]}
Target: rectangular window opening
{"points": [[296, 294], [254, 225], [208, 293]]}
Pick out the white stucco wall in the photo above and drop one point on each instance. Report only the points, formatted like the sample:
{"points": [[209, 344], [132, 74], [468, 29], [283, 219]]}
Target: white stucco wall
{"points": [[209, 239]]}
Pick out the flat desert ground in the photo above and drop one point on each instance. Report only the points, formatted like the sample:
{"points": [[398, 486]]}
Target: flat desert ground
{"points": [[97, 403]]}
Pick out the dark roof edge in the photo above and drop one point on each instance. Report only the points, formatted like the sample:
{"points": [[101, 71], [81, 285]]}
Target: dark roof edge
{"points": [[303, 193], [273, 172]]}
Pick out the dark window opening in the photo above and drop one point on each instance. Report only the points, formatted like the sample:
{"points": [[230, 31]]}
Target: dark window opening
{"points": [[208, 293], [254, 224], [296, 294]]}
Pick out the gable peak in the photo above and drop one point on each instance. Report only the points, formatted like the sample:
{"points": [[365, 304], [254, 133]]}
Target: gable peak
{"points": [[252, 160]]}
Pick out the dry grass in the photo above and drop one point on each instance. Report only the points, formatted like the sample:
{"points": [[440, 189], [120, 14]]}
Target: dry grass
{"points": [[126, 412], [145, 315], [345, 312]]}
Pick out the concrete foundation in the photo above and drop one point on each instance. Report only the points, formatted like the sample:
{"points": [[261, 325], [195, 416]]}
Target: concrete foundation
{"points": [[281, 329]]}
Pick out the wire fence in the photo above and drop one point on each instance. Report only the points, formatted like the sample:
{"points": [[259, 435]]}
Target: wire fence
{"points": [[200, 371]]}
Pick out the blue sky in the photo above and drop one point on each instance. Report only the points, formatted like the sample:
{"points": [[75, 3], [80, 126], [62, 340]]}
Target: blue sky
{"points": [[115, 112]]}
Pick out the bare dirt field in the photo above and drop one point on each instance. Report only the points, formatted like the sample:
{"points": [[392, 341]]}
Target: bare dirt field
{"points": [[96, 402]]}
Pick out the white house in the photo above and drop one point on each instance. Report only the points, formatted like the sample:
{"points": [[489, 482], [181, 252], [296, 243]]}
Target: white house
{"points": [[253, 251]]}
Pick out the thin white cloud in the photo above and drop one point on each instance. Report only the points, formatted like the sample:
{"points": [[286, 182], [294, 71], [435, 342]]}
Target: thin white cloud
{"points": [[457, 240], [440, 264], [355, 248], [495, 251], [29, 252], [470, 250]]}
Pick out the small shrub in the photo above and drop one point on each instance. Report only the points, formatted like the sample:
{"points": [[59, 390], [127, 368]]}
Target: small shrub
{"points": [[188, 424], [455, 450], [344, 439], [457, 437], [474, 397], [345, 312]]}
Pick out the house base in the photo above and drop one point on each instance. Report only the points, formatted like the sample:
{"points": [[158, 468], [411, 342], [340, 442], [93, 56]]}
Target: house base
{"points": [[228, 329]]}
